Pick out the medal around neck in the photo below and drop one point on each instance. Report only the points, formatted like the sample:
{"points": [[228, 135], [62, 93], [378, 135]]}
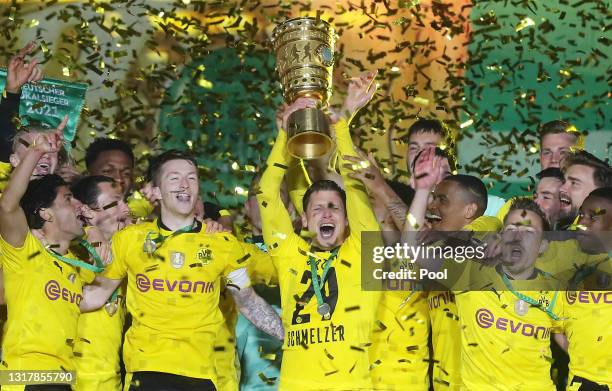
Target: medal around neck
{"points": [[149, 246], [324, 310], [521, 307], [111, 307]]}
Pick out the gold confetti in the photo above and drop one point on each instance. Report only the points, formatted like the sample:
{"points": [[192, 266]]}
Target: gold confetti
{"points": [[526, 22]]}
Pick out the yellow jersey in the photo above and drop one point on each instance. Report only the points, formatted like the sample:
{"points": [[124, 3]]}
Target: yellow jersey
{"points": [[173, 296], [445, 333], [98, 346], [503, 348], [588, 328], [43, 296], [399, 355], [318, 353]]}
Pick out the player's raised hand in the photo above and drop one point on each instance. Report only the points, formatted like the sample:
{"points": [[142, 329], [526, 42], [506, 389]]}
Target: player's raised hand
{"points": [[19, 71], [426, 172], [360, 91], [50, 142]]}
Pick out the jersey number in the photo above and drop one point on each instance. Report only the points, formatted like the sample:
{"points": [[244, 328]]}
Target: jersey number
{"points": [[329, 291]]}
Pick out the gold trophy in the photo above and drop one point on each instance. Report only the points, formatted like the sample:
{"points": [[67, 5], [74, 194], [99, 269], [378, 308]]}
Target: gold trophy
{"points": [[304, 49]]}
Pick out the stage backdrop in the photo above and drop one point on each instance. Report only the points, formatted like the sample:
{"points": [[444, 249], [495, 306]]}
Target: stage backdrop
{"points": [[198, 75]]}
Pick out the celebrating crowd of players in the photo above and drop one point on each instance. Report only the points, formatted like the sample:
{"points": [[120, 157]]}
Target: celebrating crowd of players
{"points": [[90, 268]]}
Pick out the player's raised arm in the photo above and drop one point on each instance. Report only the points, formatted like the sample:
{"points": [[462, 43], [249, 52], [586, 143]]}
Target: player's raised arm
{"points": [[276, 222], [13, 222], [359, 211]]}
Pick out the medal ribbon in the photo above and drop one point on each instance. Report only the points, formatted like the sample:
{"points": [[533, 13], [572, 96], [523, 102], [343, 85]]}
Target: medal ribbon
{"points": [[77, 262], [160, 239], [97, 268], [529, 300], [96, 257], [316, 283]]}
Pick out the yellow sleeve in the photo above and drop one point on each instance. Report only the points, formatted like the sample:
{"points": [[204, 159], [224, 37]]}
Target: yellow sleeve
{"points": [[5, 174], [359, 211], [120, 250], [236, 256], [276, 223], [484, 224], [503, 211], [15, 258], [260, 266]]}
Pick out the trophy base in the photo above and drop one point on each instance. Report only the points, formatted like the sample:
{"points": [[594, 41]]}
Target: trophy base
{"points": [[309, 145], [308, 133]]}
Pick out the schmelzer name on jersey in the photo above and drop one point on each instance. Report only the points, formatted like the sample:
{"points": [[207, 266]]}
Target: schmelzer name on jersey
{"points": [[314, 335]]}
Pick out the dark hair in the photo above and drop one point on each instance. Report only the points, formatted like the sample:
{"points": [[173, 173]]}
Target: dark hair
{"points": [[323, 185], [550, 172], [100, 145], [40, 194], [603, 193], [402, 190], [156, 163], [475, 189], [602, 174], [86, 189], [559, 127], [524, 203], [434, 126]]}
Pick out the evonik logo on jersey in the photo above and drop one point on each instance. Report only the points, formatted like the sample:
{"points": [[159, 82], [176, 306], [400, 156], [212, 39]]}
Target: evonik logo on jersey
{"points": [[588, 297], [55, 291], [145, 284], [485, 319]]}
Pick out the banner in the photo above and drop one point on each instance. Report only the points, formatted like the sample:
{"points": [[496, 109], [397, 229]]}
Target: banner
{"points": [[48, 100]]}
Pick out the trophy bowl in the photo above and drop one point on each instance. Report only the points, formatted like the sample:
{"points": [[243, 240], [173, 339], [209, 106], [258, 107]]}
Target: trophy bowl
{"points": [[304, 50]]}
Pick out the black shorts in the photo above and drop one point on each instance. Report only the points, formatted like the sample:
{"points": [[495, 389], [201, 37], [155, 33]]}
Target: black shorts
{"points": [[160, 381], [48, 387]]}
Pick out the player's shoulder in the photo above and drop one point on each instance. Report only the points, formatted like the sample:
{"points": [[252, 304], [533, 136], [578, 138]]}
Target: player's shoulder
{"points": [[133, 231]]}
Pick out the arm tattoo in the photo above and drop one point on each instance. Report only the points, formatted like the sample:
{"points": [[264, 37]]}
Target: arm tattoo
{"points": [[398, 211], [260, 313]]}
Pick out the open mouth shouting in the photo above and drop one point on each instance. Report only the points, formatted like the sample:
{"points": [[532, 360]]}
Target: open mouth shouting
{"points": [[327, 230], [42, 168]]}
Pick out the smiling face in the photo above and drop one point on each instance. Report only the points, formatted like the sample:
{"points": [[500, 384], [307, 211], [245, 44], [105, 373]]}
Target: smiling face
{"points": [[555, 147], [117, 165], [579, 182], [325, 216], [111, 213], [595, 221], [447, 209], [521, 240], [47, 164], [178, 188]]}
